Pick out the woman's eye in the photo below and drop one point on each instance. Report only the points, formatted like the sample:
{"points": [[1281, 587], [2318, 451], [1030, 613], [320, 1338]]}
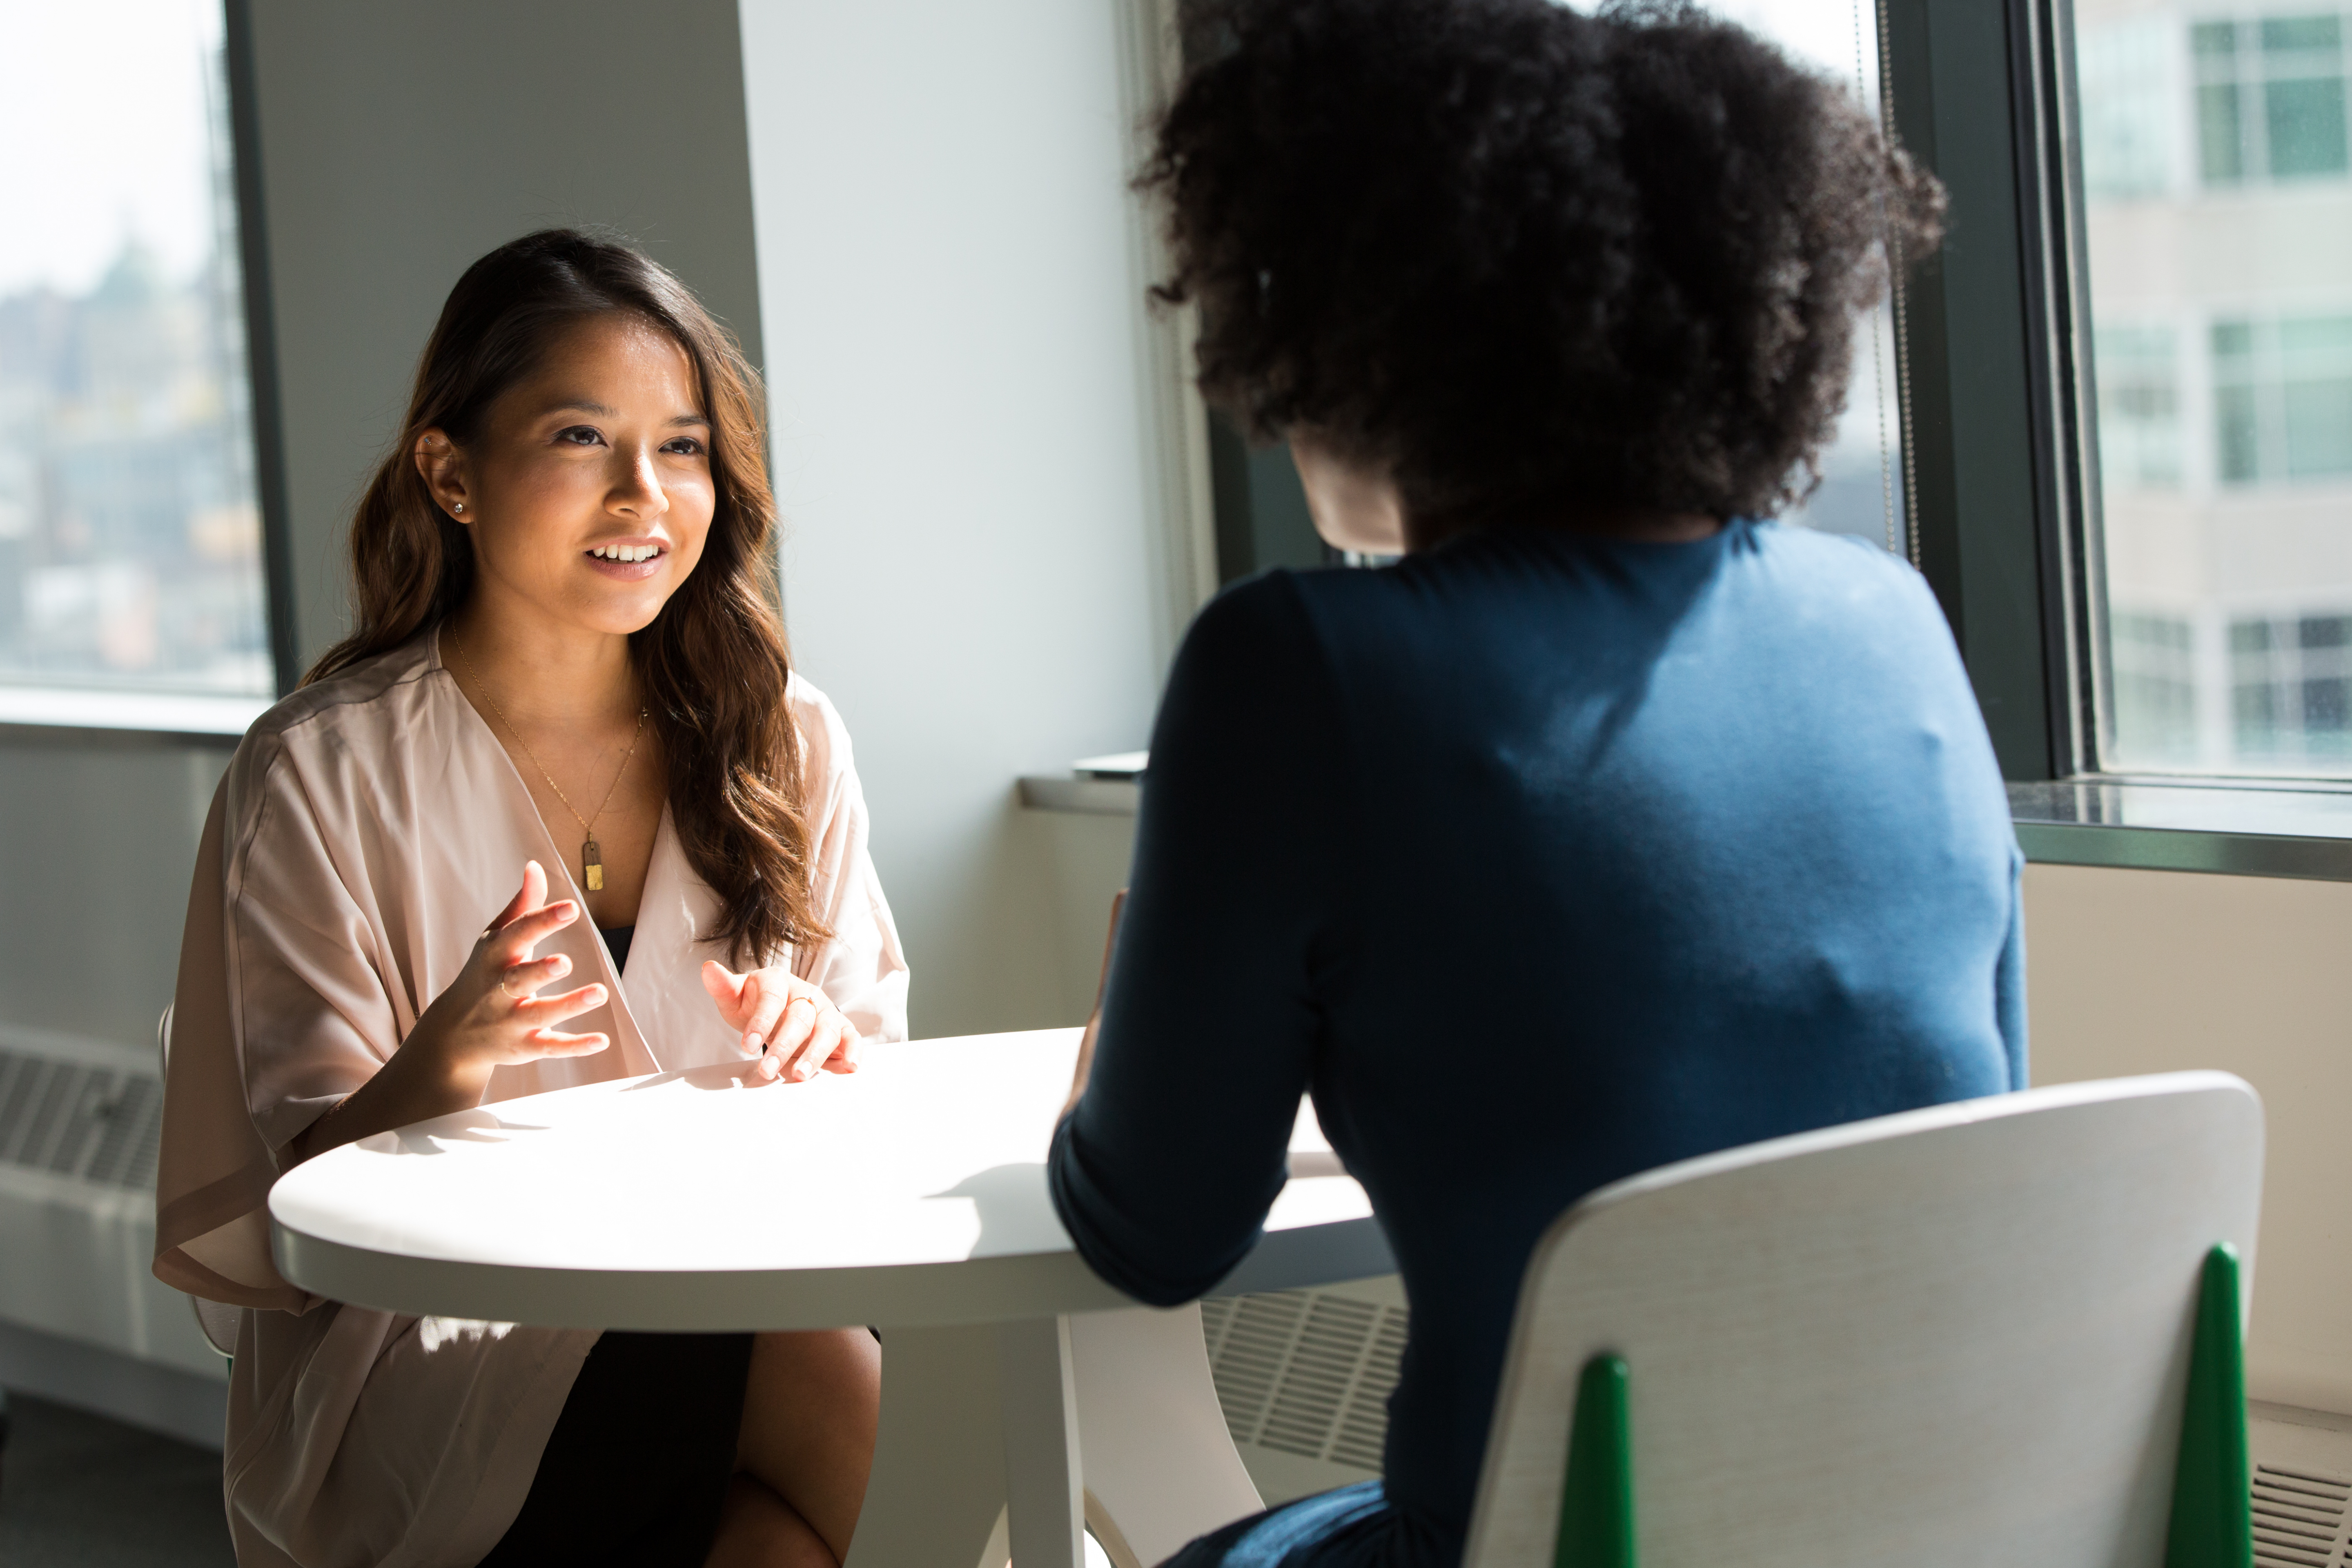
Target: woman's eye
{"points": [[580, 436], [684, 446]]}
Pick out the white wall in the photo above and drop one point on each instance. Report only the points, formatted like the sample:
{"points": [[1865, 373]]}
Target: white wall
{"points": [[982, 565], [2134, 971]]}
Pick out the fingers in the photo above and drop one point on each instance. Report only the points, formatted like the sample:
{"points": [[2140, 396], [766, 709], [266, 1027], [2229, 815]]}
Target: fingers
{"points": [[515, 940], [540, 1011], [726, 988], [766, 1001], [526, 897], [520, 979], [804, 1039], [848, 1048], [548, 1043]]}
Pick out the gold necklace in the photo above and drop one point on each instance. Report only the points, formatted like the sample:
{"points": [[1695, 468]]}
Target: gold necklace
{"points": [[592, 857]]}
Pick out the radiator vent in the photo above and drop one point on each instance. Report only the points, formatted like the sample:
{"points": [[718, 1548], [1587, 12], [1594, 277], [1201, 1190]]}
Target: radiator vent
{"points": [[1306, 1373], [2299, 1518], [97, 1123]]}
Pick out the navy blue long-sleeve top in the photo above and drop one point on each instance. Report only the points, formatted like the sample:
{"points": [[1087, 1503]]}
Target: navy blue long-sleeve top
{"points": [[1539, 859]]}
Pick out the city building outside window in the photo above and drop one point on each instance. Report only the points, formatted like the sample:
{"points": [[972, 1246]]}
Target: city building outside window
{"points": [[2218, 210], [2270, 96], [130, 536]]}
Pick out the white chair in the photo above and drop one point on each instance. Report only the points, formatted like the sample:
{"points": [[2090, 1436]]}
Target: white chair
{"points": [[217, 1321], [1961, 1335]]}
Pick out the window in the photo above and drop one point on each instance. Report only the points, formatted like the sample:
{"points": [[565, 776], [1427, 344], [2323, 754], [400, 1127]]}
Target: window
{"points": [[129, 535], [2216, 195], [2129, 126], [2154, 683], [2139, 407], [2269, 97], [2283, 398], [2291, 689]]}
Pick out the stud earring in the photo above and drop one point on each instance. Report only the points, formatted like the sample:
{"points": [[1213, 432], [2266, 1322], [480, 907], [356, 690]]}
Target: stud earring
{"points": [[459, 507]]}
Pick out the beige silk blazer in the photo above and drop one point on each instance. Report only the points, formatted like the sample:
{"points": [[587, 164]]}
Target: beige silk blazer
{"points": [[368, 829]]}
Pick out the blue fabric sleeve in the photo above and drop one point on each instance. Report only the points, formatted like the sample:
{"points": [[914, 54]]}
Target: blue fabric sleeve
{"points": [[2008, 980], [1164, 1171]]}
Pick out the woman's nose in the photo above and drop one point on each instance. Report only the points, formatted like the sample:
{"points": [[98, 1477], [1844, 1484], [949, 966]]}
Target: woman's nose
{"points": [[639, 491]]}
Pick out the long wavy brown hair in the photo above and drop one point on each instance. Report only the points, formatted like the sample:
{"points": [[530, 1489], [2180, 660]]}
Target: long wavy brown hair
{"points": [[713, 665]]}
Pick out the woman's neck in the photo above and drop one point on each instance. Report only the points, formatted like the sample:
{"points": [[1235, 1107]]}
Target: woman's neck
{"points": [[1641, 525], [538, 673]]}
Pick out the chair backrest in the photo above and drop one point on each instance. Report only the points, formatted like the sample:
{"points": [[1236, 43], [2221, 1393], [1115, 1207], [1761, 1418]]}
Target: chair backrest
{"points": [[217, 1321], [1954, 1336]]}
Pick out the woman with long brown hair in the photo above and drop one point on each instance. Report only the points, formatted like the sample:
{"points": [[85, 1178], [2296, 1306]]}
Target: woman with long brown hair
{"points": [[564, 742]]}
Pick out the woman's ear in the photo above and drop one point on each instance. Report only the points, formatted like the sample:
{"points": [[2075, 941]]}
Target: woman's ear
{"points": [[443, 467]]}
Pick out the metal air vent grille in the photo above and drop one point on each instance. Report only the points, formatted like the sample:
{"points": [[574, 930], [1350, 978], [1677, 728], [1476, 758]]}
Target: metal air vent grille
{"points": [[1306, 1372], [100, 1125], [2299, 1518]]}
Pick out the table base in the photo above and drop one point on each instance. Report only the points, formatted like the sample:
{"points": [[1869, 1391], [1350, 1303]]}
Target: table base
{"points": [[1007, 1437]]}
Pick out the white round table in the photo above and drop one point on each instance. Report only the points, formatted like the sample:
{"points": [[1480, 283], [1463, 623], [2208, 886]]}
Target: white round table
{"points": [[1020, 1394]]}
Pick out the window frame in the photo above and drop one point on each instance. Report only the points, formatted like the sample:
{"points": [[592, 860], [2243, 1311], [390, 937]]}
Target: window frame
{"points": [[2002, 425]]}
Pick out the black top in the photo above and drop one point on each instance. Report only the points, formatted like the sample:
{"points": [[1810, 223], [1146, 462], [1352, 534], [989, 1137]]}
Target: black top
{"points": [[617, 938], [1542, 860]]}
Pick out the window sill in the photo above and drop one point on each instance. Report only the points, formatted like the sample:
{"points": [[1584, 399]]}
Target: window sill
{"points": [[1086, 797], [2238, 827], [165, 715]]}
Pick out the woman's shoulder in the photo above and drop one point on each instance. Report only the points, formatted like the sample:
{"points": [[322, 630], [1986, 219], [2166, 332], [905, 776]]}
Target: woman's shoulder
{"points": [[824, 738], [368, 693], [1838, 562], [371, 707]]}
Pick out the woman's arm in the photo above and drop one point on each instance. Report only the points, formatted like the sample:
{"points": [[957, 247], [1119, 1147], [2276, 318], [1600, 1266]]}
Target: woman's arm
{"points": [[1236, 915]]}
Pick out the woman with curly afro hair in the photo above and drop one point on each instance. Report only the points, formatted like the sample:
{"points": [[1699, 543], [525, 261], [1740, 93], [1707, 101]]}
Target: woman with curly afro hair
{"points": [[1615, 824]]}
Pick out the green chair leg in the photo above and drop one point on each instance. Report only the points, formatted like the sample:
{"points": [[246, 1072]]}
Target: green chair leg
{"points": [[1596, 1505], [2212, 1515]]}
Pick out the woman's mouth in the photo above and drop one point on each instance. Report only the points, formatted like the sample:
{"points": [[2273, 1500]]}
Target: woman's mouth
{"points": [[630, 561]]}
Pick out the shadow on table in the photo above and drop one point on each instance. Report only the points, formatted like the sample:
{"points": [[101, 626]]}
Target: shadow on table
{"points": [[479, 1126], [718, 1075], [1015, 1210]]}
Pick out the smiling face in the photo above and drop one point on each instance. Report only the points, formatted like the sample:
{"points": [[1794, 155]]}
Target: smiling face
{"points": [[588, 490]]}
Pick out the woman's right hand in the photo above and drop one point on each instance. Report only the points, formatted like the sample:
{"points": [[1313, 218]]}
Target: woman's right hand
{"points": [[492, 1015]]}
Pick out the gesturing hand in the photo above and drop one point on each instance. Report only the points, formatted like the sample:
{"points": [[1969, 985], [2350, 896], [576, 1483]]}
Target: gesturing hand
{"points": [[793, 1026], [492, 1015]]}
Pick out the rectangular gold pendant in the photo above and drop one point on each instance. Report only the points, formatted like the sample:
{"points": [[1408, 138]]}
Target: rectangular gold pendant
{"points": [[592, 866]]}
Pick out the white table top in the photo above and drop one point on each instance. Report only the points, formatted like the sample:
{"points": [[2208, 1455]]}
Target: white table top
{"points": [[910, 1194]]}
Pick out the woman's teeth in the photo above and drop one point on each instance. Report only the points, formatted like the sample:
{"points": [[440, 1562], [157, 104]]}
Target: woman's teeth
{"points": [[625, 551]]}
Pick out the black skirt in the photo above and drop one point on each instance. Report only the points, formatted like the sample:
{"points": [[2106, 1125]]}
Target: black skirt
{"points": [[638, 1464]]}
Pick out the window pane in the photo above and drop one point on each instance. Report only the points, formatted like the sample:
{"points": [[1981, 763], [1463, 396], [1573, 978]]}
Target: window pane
{"points": [[2220, 354], [2219, 138], [2306, 126], [130, 541], [2139, 405]]}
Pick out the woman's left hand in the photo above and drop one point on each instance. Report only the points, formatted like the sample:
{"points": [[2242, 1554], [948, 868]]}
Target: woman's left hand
{"points": [[790, 1025]]}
